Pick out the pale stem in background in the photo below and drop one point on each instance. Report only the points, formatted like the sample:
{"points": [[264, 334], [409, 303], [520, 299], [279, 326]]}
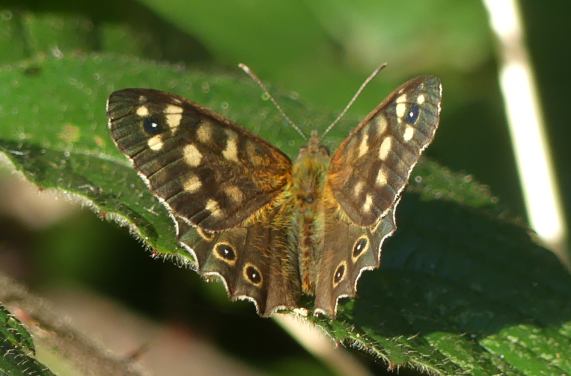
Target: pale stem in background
{"points": [[525, 121], [317, 343]]}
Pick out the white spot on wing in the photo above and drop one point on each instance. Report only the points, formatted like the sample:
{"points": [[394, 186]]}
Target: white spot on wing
{"points": [[368, 203], [363, 147], [401, 99], [358, 188], [234, 194], [381, 178], [381, 124], [420, 99], [214, 208], [173, 115], [204, 132], [401, 110], [142, 111], [192, 184], [155, 143], [385, 148], [231, 150], [408, 133], [192, 155]]}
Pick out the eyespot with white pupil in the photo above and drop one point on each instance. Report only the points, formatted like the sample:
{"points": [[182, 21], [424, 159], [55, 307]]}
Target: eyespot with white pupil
{"points": [[339, 273], [359, 248], [152, 126], [225, 252], [412, 114], [253, 275]]}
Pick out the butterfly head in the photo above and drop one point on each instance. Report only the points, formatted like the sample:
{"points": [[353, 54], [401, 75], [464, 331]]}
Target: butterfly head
{"points": [[314, 148]]}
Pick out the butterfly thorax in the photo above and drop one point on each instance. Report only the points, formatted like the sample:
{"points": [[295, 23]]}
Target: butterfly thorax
{"points": [[309, 175]]}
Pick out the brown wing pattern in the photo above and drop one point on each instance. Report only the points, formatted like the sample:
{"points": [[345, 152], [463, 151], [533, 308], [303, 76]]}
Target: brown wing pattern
{"points": [[372, 165], [208, 171], [256, 262], [348, 250]]}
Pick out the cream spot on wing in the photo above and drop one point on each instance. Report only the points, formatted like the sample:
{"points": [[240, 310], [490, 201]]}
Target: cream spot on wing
{"points": [[142, 111], [400, 109], [385, 148], [192, 184], [368, 203], [155, 143], [358, 188], [231, 150], [255, 155], [173, 115], [234, 194], [420, 99], [382, 124], [214, 208], [363, 147], [204, 132], [192, 155], [408, 133], [401, 99], [381, 178]]}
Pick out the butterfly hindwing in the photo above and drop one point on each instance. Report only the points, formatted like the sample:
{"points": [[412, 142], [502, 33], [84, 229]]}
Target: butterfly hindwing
{"points": [[208, 171], [255, 262], [348, 250], [372, 165]]}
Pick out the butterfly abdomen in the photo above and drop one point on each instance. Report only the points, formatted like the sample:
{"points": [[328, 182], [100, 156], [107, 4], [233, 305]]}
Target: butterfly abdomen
{"points": [[309, 173]]}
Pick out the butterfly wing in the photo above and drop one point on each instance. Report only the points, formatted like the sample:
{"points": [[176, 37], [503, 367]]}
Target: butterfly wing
{"points": [[372, 165], [348, 250], [255, 262], [206, 170], [366, 176]]}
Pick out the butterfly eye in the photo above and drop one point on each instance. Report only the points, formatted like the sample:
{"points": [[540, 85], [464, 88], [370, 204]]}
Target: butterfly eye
{"points": [[360, 247], [339, 273], [252, 274], [152, 126], [226, 253], [412, 114]]}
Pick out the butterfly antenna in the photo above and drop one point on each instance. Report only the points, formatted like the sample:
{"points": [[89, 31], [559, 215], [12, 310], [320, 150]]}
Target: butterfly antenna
{"points": [[253, 76], [363, 86]]}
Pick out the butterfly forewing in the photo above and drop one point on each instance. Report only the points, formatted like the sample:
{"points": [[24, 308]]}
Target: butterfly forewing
{"points": [[372, 165], [208, 171]]}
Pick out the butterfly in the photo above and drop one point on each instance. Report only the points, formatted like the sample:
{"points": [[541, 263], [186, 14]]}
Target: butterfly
{"points": [[272, 229]]}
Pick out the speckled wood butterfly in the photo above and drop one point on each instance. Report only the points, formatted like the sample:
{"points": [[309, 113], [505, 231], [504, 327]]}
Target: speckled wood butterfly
{"points": [[274, 230]]}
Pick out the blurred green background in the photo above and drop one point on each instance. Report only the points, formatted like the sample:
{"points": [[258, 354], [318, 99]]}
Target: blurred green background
{"points": [[320, 50]]}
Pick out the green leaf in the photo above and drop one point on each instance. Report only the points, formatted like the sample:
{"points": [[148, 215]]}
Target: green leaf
{"points": [[29, 29], [462, 288], [17, 348]]}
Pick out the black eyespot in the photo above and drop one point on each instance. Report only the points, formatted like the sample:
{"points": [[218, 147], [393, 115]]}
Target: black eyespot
{"points": [[152, 126], [339, 273], [412, 114], [225, 251], [253, 274], [359, 247]]}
